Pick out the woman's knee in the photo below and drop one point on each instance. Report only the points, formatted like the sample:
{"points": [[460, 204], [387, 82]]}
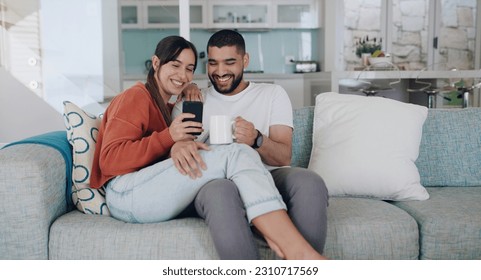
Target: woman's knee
{"points": [[245, 149], [234, 152]]}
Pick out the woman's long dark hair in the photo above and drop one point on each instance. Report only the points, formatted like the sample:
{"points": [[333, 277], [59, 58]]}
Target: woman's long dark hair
{"points": [[168, 49]]}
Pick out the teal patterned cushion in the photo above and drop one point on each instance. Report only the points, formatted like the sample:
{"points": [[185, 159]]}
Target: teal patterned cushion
{"points": [[302, 137], [450, 151], [82, 129]]}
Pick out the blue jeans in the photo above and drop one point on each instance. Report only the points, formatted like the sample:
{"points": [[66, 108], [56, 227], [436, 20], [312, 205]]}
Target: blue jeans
{"points": [[159, 192]]}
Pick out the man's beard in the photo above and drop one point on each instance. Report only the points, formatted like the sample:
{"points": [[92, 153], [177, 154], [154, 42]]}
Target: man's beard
{"points": [[233, 86]]}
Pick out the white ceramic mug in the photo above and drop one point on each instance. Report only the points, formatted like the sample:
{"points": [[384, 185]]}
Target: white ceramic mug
{"points": [[221, 130]]}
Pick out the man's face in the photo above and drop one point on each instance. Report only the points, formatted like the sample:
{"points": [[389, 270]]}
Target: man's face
{"points": [[226, 68]]}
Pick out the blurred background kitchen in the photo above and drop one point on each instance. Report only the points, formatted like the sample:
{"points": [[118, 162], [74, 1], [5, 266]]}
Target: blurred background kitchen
{"points": [[87, 51]]}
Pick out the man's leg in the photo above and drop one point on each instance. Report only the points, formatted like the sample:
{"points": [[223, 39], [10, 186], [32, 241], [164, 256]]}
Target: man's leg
{"points": [[219, 204], [306, 197]]}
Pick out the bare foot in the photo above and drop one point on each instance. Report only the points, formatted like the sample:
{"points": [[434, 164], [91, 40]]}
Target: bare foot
{"points": [[311, 255], [271, 244], [275, 248]]}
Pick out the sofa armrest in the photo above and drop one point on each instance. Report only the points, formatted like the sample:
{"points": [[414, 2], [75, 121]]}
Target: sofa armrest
{"points": [[32, 196]]}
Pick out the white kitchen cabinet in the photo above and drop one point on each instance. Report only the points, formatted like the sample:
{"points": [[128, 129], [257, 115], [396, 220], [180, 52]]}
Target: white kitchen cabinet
{"points": [[218, 14], [131, 14], [265, 14], [301, 88], [295, 90], [315, 84], [239, 14], [165, 14], [160, 14], [296, 14]]}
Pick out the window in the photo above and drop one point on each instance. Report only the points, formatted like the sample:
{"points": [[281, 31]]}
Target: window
{"points": [[409, 33], [455, 37], [416, 33]]}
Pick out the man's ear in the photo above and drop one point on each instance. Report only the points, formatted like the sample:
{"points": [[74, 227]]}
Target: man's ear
{"points": [[155, 62], [246, 60]]}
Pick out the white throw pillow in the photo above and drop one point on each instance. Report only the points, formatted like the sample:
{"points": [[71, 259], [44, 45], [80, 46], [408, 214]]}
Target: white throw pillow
{"points": [[367, 146], [82, 129]]}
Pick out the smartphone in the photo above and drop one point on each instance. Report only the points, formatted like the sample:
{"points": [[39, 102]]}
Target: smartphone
{"points": [[196, 108]]}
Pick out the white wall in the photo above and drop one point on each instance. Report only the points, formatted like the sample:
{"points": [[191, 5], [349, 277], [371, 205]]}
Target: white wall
{"points": [[333, 44], [81, 61], [22, 113], [112, 72]]}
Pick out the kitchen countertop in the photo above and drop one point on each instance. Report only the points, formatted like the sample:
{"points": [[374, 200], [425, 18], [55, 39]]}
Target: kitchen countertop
{"points": [[312, 75], [335, 77], [298, 86], [347, 74], [408, 74]]}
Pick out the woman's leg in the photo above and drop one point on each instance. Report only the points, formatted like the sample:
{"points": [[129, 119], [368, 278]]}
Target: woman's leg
{"points": [[159, 192], [153, 194]]}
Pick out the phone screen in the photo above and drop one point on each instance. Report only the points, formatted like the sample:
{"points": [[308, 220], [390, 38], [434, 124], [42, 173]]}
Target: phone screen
{"points": [[193, 107]]}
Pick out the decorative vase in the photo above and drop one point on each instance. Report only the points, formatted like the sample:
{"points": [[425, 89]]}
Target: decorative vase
{"points": [[365, 59]]}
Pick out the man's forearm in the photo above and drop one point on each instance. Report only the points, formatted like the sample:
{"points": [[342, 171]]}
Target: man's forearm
{"points": [[274, 153]]}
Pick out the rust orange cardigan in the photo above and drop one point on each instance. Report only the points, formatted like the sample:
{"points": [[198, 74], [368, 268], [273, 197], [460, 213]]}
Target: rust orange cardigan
{"points": [[133, 135]]}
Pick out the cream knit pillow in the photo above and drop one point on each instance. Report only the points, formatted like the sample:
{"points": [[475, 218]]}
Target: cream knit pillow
{"points": [[82, 129]]}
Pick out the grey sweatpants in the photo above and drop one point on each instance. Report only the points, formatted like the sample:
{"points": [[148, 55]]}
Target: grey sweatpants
{"points": [[219, 204]]}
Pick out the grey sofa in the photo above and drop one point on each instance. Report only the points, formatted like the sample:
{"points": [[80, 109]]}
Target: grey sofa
{"points": [[36, 223]]}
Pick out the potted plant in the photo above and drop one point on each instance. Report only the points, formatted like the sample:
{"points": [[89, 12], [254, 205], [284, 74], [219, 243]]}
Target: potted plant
{"points": [[369, 50], [367, 45]]}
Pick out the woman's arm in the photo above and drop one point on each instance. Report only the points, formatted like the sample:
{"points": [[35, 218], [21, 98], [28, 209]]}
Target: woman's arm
{"points": [[126, 149]]}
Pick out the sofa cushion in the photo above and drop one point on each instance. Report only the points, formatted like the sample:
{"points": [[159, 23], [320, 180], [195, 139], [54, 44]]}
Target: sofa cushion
{"points": [[449, 223], [362, 228], [302, 136], [82, 129], [100, 237], [366, 146], [450, 152], [358, 228]]}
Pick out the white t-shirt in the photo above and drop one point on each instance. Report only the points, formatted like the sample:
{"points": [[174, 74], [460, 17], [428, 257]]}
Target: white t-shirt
{"points": [[262, 104]]}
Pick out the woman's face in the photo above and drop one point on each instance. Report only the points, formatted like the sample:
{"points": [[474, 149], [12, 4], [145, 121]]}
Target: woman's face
{"points": [[175, 75]]}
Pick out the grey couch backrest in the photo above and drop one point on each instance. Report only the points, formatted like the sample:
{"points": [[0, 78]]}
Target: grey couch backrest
{"points": [[449, 153]]}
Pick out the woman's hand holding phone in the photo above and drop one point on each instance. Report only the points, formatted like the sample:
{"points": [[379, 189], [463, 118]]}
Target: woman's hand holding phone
{"points": [[184, 127], [180, 129], [196, 108]]}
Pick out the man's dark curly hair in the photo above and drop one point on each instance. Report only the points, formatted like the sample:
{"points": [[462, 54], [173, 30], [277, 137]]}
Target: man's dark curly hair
{"points": [[227, 37]]}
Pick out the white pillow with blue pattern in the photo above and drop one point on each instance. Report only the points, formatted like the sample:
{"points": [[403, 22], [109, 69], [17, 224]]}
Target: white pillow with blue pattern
{"points": [[82, 129]]}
